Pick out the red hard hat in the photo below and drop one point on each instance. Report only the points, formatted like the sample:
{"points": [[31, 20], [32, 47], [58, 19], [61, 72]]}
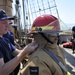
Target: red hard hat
{"points": [[45, 24]]}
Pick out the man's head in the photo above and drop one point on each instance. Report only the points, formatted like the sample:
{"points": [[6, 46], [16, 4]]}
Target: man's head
{"points": [[4, 22]]}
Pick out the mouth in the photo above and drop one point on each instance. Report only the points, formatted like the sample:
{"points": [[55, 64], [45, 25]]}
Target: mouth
{"points": [[6, 29]]}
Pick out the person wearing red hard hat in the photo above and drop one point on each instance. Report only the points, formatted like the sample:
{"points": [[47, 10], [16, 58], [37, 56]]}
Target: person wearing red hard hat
{"points": [[48, 57]]}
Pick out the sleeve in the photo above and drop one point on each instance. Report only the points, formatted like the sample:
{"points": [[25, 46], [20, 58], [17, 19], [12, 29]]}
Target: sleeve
{"points": [[11, 38], [7, 41], [36, 65], [13, 47]]}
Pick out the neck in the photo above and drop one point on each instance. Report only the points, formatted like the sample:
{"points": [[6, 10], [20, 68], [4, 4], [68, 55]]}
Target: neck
{"points": [[0, 35]]}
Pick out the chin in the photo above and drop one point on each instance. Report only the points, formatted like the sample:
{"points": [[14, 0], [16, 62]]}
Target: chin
{"points": [[5, 32]]}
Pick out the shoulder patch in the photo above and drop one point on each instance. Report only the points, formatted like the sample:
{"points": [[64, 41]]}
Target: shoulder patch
{"points": [[34, 70]]}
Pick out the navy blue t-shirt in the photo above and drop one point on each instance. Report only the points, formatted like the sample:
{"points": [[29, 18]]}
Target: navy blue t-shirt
{"points": [[6, 49], [9, 35]]}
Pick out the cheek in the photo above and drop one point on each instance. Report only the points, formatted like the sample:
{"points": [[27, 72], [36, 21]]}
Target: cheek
{"points": [[1, 28]]}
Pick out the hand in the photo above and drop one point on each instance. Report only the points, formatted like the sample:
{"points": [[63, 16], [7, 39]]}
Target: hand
{"points": [[30, 47]]}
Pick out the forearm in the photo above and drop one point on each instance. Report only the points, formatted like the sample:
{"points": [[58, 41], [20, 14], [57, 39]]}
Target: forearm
{"points": [[17, 51], [8, 67]]}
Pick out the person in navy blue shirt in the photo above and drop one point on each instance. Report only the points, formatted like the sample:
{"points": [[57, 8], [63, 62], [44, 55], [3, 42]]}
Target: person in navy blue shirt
{"points": [[9, 35], [8, 50]]}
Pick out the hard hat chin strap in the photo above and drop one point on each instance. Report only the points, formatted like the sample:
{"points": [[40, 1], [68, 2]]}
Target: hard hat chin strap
{"points": [[46, 38]]}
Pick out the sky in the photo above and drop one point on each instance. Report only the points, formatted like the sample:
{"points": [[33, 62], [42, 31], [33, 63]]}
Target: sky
{"points": [[66, 10]]}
